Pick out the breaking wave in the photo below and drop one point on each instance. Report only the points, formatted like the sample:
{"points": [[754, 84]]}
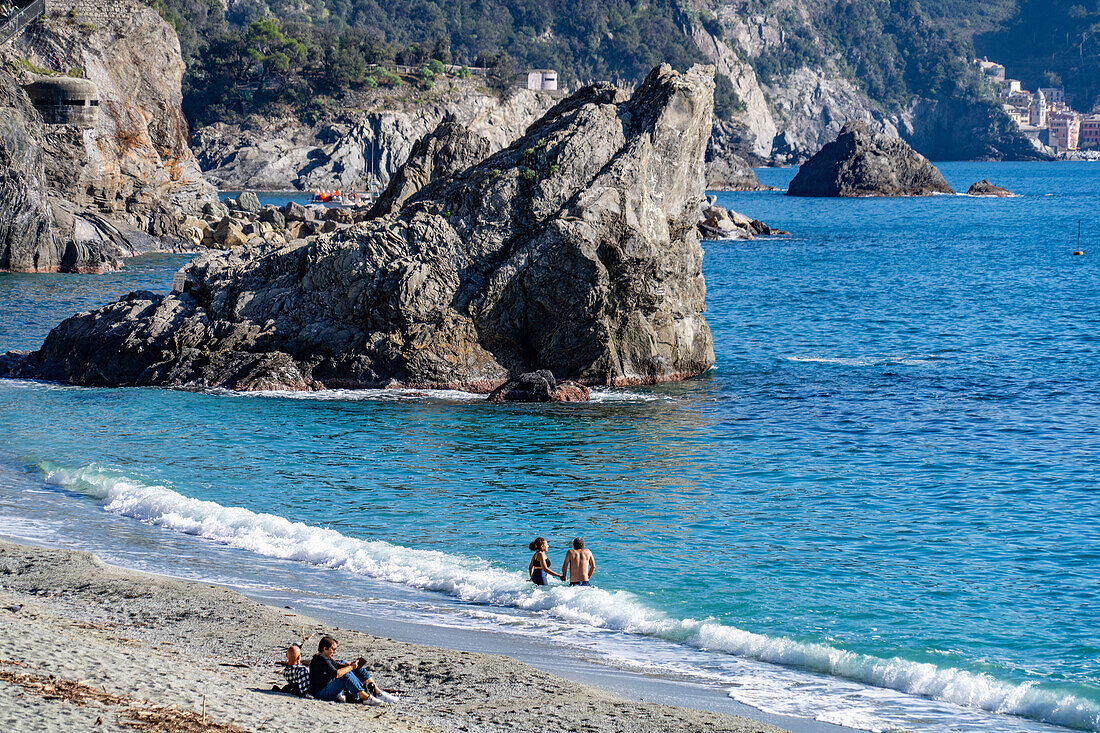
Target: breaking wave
{"points": [[476, 580]]}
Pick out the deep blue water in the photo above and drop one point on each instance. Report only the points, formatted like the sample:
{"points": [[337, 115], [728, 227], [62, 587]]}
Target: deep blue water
{"points": [[879, 509]]}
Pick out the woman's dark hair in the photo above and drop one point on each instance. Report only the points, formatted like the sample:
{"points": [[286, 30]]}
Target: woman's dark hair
{"points": [[536, 544], [326, 642]]}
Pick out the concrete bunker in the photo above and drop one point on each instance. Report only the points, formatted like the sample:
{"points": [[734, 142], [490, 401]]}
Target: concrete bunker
{"points": [[63, 100]]}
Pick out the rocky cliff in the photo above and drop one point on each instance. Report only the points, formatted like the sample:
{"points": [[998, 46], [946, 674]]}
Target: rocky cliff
{"points": [[797, 110], [40, 231], [572, 250], [787, 119], [84, 197], [136, 164], [26, 226], [356, 149]]}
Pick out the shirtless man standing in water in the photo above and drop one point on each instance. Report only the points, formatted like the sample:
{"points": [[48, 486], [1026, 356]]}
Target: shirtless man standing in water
{"points": [[580, 564]]}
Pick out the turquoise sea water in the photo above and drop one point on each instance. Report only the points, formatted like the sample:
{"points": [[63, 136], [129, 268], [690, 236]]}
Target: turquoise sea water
{"points": [[880, 509]]}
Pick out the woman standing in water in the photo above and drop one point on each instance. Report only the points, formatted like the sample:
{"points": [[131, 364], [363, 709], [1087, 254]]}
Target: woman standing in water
{"points": [[539, 568]]}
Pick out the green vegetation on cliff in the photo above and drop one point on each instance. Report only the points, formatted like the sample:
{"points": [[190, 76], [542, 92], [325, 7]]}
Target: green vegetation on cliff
{"points": [[241, 60], [1050, 43], [893, 50]]}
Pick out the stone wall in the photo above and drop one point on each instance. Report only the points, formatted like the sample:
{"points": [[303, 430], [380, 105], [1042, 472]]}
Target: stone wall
{"points": [[99, 12]]}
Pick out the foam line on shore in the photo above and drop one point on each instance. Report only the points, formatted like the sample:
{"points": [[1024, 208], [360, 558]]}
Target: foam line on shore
{"points": [[408, 394], [475, 580]]}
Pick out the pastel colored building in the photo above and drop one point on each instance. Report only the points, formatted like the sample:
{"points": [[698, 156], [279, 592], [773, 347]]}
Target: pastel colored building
{"points": [[1065, 130], [1056, 96], [1037, 111], [1089, 134]]}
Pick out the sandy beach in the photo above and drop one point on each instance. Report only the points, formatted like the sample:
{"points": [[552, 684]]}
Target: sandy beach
{"points": [[89, 646]]}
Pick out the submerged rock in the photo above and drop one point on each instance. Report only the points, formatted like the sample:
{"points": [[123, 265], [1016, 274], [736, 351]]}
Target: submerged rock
{"points": [[574, 250], [862, 162], [985, 188], [540, 386]]}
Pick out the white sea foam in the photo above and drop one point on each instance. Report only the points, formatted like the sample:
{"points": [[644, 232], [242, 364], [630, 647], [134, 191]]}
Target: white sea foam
{"points": [[599, 394], [361, 395], [475, 580], [864, 360]]}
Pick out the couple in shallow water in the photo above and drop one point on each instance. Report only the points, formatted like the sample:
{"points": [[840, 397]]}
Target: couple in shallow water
{"points": [[579, 564]]}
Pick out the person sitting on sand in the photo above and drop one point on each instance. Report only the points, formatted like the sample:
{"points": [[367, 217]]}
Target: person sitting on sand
{"points": [[329, 678], [539, 567], [580, 564], [295, 673]]}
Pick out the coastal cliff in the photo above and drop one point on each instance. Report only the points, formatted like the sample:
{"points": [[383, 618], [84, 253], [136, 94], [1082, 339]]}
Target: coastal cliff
{"points": [[573, 250], [106, 184], [135, 165], [26, 227], [355, 149], [810, 90]]}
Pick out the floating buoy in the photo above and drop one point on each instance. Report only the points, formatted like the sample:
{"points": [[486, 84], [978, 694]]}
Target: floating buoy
{"points": [[1078, 252]]}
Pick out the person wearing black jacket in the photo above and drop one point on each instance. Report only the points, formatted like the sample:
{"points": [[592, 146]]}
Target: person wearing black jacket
{"points": [[328, 677]]}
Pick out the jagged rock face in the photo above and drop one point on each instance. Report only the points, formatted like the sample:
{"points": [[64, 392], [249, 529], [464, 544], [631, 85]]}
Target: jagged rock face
{"points": [[447, 150], [861, 162], [725, 169], [26, 239], [789, 118], [354, 151], [136, 162], [574, 250]]}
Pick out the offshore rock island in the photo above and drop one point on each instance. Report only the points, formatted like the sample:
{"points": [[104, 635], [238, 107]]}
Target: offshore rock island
{"points": [[573, 250]]}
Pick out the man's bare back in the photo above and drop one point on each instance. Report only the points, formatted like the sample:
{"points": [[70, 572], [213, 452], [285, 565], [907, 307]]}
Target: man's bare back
{"points": [[580, 564]]}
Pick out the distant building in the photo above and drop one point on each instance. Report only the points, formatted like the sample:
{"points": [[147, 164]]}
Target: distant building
{"points": [[1012, 86], [1017, 115], [1089, 134], [1065, 130], [1056, 96], [1037, 110], [542, 80], [989, 68]]}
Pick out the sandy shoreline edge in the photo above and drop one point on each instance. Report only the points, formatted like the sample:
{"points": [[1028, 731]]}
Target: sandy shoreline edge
{"points": [[154, 646]]}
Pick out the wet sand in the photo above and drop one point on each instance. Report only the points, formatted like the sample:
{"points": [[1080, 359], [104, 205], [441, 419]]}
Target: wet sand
{"points": [[89, 646]]}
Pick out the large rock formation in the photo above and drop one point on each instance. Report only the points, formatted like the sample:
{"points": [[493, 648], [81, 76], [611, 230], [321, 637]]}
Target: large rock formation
{"points": [[573, 250], [40, 232], [135, 165], [26, 236], [862, 162]]}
